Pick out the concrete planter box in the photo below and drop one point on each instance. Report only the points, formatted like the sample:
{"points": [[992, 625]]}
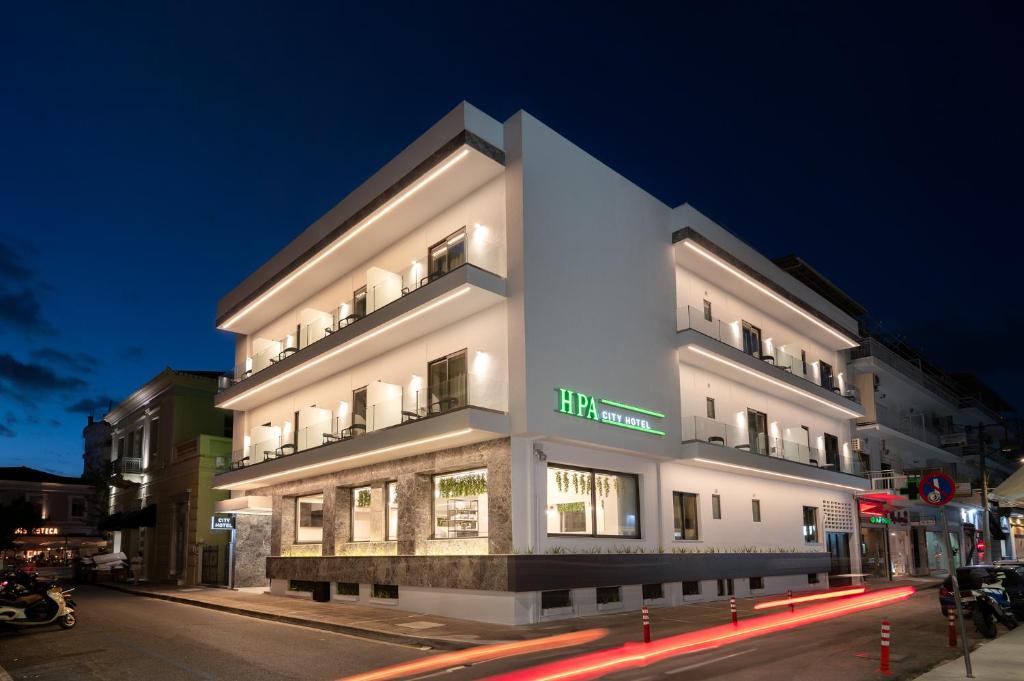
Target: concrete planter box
{"points": [[512, 573]]}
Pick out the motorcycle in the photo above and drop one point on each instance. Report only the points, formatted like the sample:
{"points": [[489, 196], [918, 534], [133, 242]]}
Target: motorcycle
{"points": [[46, 603], [991, 604]]}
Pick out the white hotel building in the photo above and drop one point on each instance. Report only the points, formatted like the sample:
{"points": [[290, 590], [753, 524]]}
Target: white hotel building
{"points": [[500, 381]]}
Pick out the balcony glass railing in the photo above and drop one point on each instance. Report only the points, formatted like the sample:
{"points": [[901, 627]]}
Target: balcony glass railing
{"points": [[484, 253], [403, 407], [688, 317], [922, 426], [701, 429]]}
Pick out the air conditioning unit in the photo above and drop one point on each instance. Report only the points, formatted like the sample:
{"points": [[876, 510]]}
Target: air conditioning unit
{"points": [[858, 444]]}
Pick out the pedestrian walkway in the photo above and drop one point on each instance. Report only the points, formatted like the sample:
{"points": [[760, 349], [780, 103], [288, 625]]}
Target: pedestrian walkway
{"points": [[1001, 659]]}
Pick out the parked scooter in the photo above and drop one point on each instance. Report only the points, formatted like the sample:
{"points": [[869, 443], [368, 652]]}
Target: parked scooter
{"points": [[35, 605], [991, 604]]}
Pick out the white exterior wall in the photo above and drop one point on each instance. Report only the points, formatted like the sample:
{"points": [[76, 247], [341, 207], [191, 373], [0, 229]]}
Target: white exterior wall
{"points": [[485, 206], [483, 333]]}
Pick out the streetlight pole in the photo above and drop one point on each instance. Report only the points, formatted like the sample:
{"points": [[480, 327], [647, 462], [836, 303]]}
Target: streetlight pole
{"points": [[987, 529]]}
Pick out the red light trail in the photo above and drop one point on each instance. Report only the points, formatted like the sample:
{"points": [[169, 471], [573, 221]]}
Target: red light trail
{"points": [[479, 654], [811, 597], [629, 655]]}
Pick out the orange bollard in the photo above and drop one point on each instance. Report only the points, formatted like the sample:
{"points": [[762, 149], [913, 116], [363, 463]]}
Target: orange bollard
{"points": [[884, 666], [647, 624], [952, 628], [732, 609]]}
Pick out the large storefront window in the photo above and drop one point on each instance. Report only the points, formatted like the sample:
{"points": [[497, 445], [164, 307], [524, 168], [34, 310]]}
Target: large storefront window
{"points": [[684, 507], [362, 518], [460, 504], [592, 503], [309, 519], [392, 510]]}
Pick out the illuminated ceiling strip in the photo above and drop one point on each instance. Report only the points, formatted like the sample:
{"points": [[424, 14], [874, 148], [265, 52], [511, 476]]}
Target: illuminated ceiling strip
{"points": [[350, 457], [630, 407], [377, 215], [778, 475], [798, 391], [346, 346], [735, 272]]}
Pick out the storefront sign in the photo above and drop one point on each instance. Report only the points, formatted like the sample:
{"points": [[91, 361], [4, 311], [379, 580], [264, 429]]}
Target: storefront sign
{"points": [[607, 411], [37, 530], [879, 520], [222, 521]]}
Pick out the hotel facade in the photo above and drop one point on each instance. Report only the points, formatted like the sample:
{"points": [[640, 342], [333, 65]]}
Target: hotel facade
{"points": [[499, 381]]}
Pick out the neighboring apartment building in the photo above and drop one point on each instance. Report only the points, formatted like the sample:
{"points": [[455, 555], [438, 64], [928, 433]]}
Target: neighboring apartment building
{"points": [[65, 528], [497, 358], [168, 442], [96, 452]]}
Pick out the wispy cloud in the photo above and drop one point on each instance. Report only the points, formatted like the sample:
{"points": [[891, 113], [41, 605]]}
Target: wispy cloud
{"points": [[90, 405], [34, 379], [75, 361]]}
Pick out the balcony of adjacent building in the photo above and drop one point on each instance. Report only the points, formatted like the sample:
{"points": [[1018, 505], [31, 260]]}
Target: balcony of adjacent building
{"points": [[771, 450], [126, 471], [391, 310], [906, 481], [922, 435], [913, 369], [379, 421], [748, 354]]}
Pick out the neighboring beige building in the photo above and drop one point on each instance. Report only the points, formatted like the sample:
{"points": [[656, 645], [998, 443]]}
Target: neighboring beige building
{"points": [[168, 442]]}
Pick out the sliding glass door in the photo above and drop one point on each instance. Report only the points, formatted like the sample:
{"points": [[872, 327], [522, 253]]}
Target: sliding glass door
{"points": [[446, 383]]}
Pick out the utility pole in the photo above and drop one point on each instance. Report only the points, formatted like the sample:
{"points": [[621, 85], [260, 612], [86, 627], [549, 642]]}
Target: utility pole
{"points": [[986, 528]]}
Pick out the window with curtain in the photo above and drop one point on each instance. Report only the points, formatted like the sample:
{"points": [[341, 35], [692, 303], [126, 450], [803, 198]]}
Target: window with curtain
{"points": [[684, 507]]}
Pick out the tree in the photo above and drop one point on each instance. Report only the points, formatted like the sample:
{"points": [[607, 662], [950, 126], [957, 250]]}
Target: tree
{"points": [[19, 514]]}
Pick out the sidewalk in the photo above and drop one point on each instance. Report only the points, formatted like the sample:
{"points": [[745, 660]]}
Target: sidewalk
{"points": [[442, 633], [1000, 659]]}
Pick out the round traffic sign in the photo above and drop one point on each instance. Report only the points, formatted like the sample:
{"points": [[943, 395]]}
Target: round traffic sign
{"points": [[937, 489]]}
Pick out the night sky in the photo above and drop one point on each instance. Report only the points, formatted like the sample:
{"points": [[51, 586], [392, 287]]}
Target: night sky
{"points": [[152, 156]]}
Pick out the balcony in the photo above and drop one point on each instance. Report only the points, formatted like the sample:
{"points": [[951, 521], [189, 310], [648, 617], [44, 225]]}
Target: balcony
{"points": [[476, 247], [396, 423], [433, 306], [896, 480], [721, 344], [873, 348], [923, 426], [700, 429], [126, 466]]}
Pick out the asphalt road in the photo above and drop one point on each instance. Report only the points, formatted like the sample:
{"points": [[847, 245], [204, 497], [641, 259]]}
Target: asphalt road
{"points": [[121, 637]]}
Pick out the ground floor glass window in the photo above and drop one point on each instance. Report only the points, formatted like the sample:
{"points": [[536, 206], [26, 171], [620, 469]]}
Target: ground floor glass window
{"points": [[309, 519], [460, 505], [362, 516], [591, 502]]}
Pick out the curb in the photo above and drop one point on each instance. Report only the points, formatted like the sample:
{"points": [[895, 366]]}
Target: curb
{"points": [[399, 639]]}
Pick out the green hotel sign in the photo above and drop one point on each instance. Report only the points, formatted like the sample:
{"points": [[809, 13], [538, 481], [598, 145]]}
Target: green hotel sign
{"points": [[608, 412]]}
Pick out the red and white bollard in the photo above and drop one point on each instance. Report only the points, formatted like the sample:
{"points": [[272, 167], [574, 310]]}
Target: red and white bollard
{"points": [[952, 628], [884, 666], [647, 624], [732, 609], [789, 595]]}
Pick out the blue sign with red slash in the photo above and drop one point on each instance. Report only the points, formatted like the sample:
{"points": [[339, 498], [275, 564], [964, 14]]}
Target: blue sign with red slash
{"points": [[937, 489]]}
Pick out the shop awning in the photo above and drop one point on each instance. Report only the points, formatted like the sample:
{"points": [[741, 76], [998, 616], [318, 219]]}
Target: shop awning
{"points": [[111, 522], [136, 519], [1012, 489]]}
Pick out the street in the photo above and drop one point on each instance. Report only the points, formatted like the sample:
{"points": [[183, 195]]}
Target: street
{"points": [[120, 636]]}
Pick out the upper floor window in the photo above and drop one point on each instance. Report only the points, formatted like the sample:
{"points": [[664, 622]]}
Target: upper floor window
{"points": [[358, 304], [710, 403], [831, 451], [825, 371], [154, 436], [446, 383], [447, 254], [77, 508], [751, 340], [137, 448], [755, 510], [803, 361], [757, 431], [359, 411], [684, 507], [810, 524], [716, 506], [707, 310]]}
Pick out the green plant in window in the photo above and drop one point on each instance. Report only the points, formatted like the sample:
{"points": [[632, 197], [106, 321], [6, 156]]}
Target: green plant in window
{"points": [[571, 507], [575, 483], [607, 488], [363, 498]]}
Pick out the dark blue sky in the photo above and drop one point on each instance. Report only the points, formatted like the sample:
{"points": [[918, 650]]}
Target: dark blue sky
{"points": [[152, 155]]}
